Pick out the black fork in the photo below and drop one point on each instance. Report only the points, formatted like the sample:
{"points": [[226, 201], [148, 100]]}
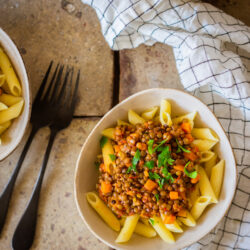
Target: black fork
{"points": [[61, 116], [40, 117]]}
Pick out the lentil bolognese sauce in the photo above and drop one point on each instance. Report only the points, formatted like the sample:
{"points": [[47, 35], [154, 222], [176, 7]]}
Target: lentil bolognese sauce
{"points": [[154, 170]]}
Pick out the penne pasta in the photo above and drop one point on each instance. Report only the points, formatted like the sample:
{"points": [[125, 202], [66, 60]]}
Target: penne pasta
{"points": [[217, 177], [194, 195], [10, 100], [174, 227], [205, 186], [200, 204], [206, 156], [190, 117], [150, 113], [162, 231], [188, 221], [107, 151], [203, 145], [105, 213], [3, 106], [109, 132], [11, 113], [2, 79], [142, 229], [120, 122], [165, 113], [145, 221], [205, 134], [134, 118], [128, 228], [209, 164], [11, 84], [4, 126]]}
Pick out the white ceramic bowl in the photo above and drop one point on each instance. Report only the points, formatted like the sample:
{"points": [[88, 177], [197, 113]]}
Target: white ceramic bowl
{"points": [[86, 173], [14, 134]]}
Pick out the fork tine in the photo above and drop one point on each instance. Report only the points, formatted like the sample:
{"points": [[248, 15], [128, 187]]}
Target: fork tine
{"points": [[62, 91], [45, 97], [44, 81], [73, 102]]}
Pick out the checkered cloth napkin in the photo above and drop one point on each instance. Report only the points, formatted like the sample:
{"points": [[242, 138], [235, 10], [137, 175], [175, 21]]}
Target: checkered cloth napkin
{"points": [[212, 52]]}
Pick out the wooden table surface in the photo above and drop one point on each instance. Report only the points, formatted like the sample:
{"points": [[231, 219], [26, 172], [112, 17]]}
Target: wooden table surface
{"points": [[69, 32]]}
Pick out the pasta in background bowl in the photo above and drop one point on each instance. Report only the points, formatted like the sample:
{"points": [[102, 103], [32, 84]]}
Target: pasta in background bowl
{"points": [[15, 99], [86, 173]]}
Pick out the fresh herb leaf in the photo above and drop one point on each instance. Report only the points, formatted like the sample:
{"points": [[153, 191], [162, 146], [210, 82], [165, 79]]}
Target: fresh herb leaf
{"points": [[165, 157], [152, 221], [129, 169], [103, 141], [97, 164], [181, 148], [157, 197], [154, 176], [150, 146], [167, 175], [161, 182], [135, 160], [191, 175], [157, 148], [149, 164], [112, 157]]}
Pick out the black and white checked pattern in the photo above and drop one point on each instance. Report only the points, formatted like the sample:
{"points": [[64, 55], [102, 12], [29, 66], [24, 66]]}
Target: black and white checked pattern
{"points": [[212, 51]]}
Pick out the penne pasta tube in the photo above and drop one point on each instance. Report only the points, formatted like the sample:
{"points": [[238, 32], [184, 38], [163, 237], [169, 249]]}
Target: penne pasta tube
{"points": [[217, 177], [4, 126], [203, 145], [200, 204], [209, 164], [142, 229], [109, 132], [120, 122], [105, 213], [11, 113], [2, 79], [145, 221], [128, 228], [11, 84], [149, 113], [195, 194], [174, 227], [2, 106], [205, 186], [134, 118], [165, 113], [188, 221], [10, 100], [107, 151], [206, 156], [205, 134], [190, 117], [162, 231]]}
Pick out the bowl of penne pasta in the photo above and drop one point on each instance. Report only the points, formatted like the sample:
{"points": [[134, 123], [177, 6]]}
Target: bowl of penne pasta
{"points": [[156, 172], [14, 96]]}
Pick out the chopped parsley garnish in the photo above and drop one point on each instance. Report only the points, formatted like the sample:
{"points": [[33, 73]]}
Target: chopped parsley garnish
{"points": [[97, 164], [181, 148], [154, 176], [150, 146], [161, 182], [191, 175], [152, 221], [135, 160], [150, 164], [112, 157], [167, 175], [103, 141], [157, 197], [165, 157]]}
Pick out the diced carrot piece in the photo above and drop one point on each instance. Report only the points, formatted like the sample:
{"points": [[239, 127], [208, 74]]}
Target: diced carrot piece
{"points": [[169, 219], [150, 185], [191, 156], [179, 167], [195, 180], [106, 187], [182, 213], [173, 195], [185, 126], [117, 148], [189, 137]]}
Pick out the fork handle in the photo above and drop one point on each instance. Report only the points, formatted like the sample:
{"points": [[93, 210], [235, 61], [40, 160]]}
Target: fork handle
{"points": [[25, 230], [7, 192]]}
